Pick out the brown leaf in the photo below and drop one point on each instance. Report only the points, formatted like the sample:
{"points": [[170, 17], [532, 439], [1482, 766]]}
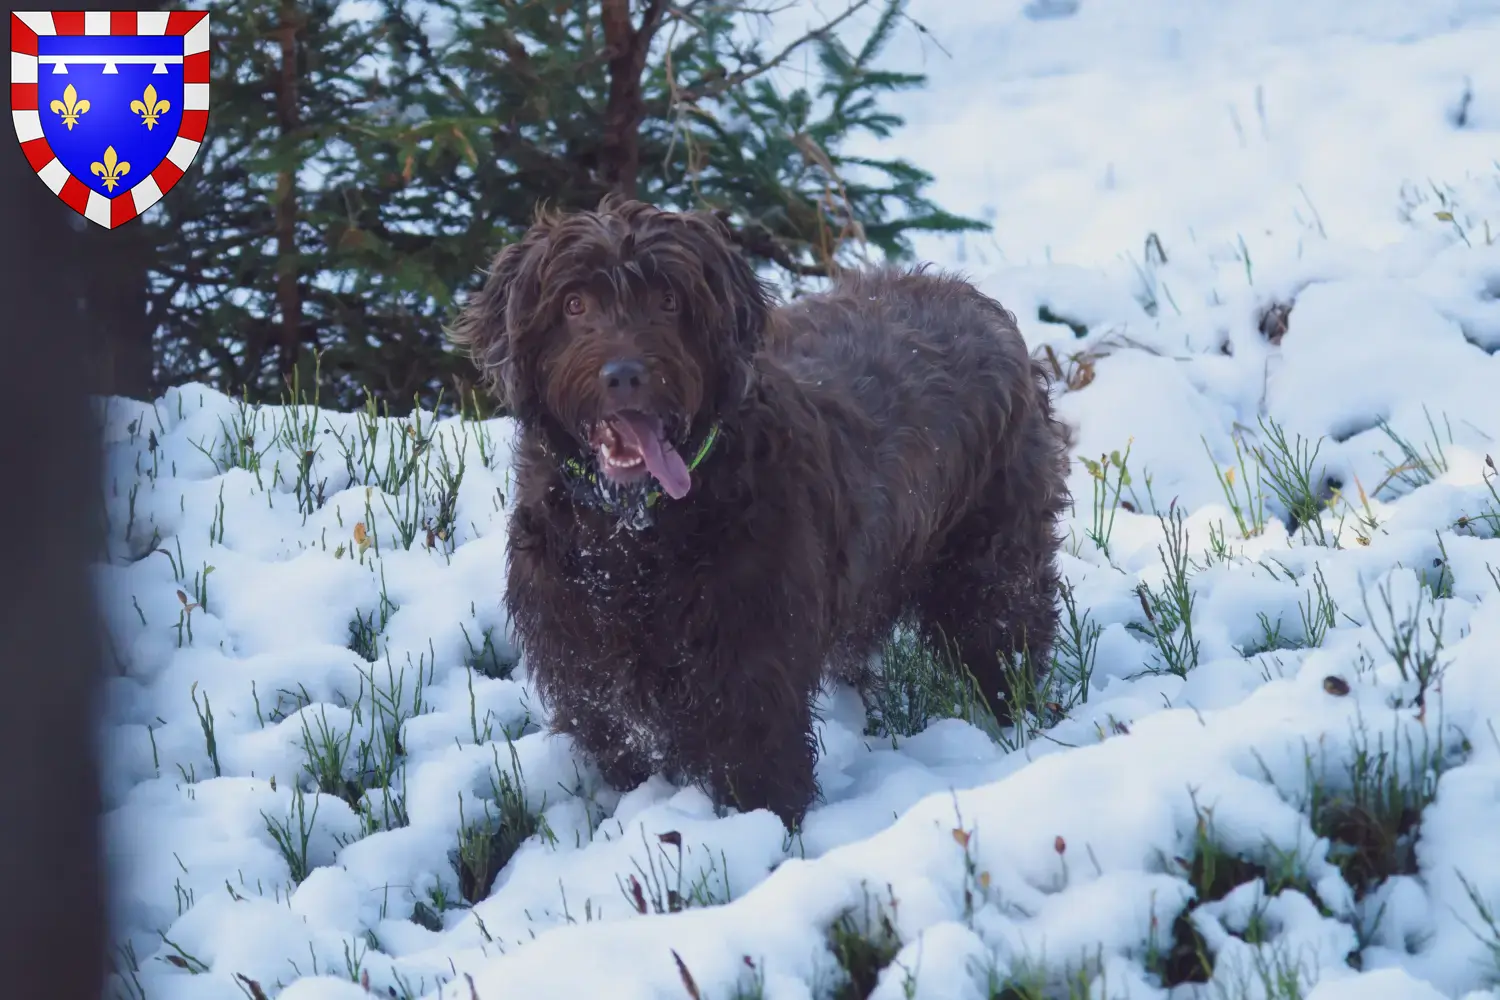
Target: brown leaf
{"points": [[1059, 845], [961, 838], [1336, 686], [251, 986], [359, 533], [469, 153], [1057, 370], [671, 838], [687, 977], [984, 880], [1145, 603], [182, 597], [1082, 374], [1275, 320], [637, 895], [177, 960]]}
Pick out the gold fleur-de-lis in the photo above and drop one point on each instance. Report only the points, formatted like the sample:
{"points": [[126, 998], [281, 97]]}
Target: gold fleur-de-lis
{"points": [[111, 170], [150, 109], [70, 107]]}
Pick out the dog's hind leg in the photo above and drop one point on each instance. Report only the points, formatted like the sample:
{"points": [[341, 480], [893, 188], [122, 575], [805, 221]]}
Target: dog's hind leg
{"points": [[992, 609], [990, 597]]}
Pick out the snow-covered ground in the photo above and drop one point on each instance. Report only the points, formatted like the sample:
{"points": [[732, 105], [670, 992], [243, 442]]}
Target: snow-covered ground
{"points": [[318, 742]]}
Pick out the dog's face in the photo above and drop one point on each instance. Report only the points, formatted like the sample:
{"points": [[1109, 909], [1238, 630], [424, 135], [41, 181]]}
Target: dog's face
{"points": [[618, 332]]}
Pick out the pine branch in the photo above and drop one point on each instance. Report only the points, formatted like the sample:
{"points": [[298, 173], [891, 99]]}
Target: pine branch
{"points": [[714, 87], [757, 241]]}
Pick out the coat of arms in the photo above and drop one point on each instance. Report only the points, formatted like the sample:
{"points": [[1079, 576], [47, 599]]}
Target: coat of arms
{"points": [[110, 106]]}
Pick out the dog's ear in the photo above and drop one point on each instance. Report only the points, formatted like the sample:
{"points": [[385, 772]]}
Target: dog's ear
{"points": [[731, 278], [487, 324]]}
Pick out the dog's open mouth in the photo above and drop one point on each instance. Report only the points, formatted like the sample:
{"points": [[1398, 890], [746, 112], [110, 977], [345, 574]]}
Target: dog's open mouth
{"points": [[632, 445]]}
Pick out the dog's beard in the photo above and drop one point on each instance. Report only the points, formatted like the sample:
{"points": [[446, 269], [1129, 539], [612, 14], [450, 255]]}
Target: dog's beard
{"points": [[624, 494], [631, 502]]}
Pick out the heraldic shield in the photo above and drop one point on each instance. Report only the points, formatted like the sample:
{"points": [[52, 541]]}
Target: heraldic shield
{"points": [[110, 106]]}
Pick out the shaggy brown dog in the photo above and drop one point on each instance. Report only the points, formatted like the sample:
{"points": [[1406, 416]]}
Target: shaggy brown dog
{"points": [[718, 498]]}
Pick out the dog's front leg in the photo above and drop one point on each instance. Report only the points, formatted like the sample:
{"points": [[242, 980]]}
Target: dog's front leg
{"points": [[751, 626], [596, 727], [576, 660], [769, 765], [745, 722]]}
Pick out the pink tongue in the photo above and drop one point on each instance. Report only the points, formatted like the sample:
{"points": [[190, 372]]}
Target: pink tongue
{"points": [[662, 462]]}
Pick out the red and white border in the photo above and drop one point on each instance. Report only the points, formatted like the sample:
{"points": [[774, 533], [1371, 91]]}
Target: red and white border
{"points": [[25, 26]]}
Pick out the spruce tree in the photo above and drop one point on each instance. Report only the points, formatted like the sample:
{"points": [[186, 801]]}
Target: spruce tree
{"points": [[359, 175]]}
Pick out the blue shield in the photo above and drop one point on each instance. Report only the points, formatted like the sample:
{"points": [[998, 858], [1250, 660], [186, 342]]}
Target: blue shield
{"points": [[110, 105]]}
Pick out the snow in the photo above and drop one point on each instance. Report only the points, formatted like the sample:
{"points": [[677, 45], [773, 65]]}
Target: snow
{"points": [[1285, 154]]}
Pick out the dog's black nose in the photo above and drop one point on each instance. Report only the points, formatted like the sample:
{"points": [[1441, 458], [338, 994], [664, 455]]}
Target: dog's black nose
{"points": [[624, 375]]}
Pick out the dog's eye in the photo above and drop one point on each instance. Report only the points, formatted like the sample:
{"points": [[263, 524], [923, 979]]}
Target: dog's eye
{"points": [[669, 302], [573, 305]]}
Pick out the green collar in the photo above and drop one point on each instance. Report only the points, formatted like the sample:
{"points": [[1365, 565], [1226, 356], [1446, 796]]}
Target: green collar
{"points": [[587, 485]]}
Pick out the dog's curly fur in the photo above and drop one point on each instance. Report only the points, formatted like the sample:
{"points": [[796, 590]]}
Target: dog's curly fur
{"points": [[887, 451]]}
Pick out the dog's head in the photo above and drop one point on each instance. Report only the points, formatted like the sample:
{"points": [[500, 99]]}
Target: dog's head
{"points": [[618, 332]]}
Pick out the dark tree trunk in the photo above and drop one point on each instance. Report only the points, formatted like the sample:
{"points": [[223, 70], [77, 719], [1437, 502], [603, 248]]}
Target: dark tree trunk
{"points": [[628, 47], [288, 296], [52, 928], [115, 307], [109, 289]]}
